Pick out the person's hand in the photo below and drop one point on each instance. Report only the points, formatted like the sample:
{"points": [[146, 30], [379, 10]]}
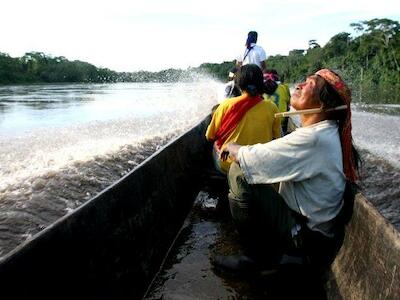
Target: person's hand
{"points": [[217, 150], [231, 150], [224, 154]]}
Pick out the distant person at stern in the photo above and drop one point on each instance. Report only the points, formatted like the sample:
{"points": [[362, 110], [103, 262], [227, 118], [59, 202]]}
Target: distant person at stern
{"points": [[253, 54]]}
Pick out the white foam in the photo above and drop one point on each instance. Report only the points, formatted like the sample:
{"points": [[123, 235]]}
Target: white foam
{"points": [[378, 134], [157, 111]]}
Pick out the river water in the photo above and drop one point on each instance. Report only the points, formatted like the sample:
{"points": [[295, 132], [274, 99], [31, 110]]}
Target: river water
{"points": [[62, 144]]}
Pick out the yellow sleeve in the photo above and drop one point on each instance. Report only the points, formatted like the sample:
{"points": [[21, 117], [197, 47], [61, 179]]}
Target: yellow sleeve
{"points": [[276, 125], [215, 123], [287, 92]]}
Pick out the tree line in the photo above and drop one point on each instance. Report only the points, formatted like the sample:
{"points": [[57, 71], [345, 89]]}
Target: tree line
{"points": [[370, 62], [38, 67]]}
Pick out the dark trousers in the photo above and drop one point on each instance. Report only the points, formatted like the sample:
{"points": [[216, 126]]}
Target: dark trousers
{"points": [[265, 221], [260, 213]]}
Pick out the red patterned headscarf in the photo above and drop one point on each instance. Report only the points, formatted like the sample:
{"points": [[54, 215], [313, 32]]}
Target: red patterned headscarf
{"points": [[334, 80], [270, 76]]}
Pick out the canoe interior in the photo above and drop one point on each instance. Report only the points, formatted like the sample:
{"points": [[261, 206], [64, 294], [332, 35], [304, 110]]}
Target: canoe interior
{"points": [[188, 273], [113, 246], [366, 266]]}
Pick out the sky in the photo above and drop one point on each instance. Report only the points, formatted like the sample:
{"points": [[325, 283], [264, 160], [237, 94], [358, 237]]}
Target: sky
{"points": [[153, 35]]}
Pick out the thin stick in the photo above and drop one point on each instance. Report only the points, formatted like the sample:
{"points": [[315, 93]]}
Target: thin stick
{"points": [[308, 111]]}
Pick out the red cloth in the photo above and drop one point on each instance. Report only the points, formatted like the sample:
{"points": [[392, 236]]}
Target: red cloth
{"points": [[349, 165], [233, 116]]}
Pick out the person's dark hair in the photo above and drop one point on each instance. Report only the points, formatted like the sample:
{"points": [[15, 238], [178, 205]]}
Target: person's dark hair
{"points": [[236, 91], [234, 70], [270, 86], [250, 79], [274, 74], [330, 99], [251, 38]]}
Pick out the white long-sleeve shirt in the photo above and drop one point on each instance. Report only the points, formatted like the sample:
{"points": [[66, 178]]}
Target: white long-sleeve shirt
{"points": [[308, 163]]}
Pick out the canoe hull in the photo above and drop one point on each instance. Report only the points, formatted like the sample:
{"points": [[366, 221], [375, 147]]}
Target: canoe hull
{"points": [[111, 247], [368, 263]]}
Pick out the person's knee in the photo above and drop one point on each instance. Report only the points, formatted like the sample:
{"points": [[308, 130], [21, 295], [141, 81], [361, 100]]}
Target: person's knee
{"points": [[239, 210], [234, 171], [238, 186]]}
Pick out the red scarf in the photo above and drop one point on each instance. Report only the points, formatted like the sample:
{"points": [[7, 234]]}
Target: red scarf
{"points": [[233, 116], [349, 165]]}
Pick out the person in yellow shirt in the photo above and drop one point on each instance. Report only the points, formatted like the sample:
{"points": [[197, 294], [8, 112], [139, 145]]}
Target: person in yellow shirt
{"points": [[247, 119], [280, 96]]}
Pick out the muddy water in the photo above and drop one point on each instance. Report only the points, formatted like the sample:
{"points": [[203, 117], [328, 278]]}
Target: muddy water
{"points": [[62, 144], [376, 135]]}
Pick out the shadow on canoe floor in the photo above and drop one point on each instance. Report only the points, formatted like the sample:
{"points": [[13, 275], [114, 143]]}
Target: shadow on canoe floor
{"points": [[187, 272]]}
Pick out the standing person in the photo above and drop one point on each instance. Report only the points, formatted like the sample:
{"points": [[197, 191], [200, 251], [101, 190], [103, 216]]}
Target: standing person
{"points": [[312, 164], [253, 54], [246, 119]]}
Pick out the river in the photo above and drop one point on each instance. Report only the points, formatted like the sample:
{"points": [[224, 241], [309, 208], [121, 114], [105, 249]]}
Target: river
{"points": [[62, 144]]}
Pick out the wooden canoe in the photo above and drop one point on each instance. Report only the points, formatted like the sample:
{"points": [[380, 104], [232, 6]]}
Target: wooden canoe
{"points": [[143, 238]]}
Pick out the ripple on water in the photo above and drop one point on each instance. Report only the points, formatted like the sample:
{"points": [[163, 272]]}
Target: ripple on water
{"points": [[380, 183], [35, 203], [28, 206]]}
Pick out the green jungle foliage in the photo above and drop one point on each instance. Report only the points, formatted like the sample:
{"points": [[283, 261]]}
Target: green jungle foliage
{"points": [[370, 62]]}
